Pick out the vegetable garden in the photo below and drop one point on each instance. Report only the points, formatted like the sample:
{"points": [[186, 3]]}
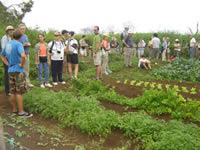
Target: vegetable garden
{"points": [[130, 109]]}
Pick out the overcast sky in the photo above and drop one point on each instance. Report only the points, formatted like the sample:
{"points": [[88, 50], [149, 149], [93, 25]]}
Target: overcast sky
{"points": [[145, 15]]}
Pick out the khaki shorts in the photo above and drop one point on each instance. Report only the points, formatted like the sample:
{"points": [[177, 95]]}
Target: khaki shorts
{"points": [[98, 58], [155, 52], [83, 52], [168, 50], [17, 83]]}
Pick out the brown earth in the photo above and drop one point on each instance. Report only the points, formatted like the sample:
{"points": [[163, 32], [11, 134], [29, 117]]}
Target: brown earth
{"points": [[135, 91]]}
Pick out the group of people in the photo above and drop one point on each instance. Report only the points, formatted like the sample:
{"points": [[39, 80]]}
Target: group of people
{"points": [[62, 54]]}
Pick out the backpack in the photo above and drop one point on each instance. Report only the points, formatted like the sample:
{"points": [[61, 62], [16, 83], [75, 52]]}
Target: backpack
{"points": [[51, 48]]}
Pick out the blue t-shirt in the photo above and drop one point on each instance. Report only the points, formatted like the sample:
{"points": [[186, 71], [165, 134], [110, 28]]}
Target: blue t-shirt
{"points": [[13, 51], [24, 39]]}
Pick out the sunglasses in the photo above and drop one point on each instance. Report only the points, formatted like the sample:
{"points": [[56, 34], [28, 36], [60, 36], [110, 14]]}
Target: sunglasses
{"points": [[56, 35], [95, 30]]}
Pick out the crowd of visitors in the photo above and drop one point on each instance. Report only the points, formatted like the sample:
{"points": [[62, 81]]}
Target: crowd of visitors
{"points": [[62, 54]]}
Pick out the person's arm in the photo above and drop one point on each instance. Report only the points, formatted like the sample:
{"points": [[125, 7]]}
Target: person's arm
{"points": [[48, 56], [36, 55], [26, 42], [3, 58], [105, 45], [3, 42], [125, 43], [22, 60]]}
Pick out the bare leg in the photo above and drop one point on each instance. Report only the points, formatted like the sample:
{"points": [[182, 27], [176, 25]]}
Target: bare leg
{"points": [[70, 69], [149, 65], [100, 71], [14, 102], [20, 103], [157, 59], [144, 65], [76, 70]]}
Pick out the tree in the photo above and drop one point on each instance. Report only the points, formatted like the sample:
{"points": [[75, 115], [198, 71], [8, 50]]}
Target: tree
{"points": [[87, 30], [14, 14]]}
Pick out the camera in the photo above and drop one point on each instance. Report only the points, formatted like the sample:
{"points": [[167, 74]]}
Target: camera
{"points": [[74, 46]]}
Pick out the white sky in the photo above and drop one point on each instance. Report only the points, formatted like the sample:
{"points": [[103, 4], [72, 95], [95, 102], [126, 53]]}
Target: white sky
{"points": [[145, 15]]}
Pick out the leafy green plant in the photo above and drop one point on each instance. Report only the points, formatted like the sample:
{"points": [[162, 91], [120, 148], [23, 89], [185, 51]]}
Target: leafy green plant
{"points": [[176, 88], [152, 85], [180, 69], [159, 86], [20, 133], [132, 82], [125, 81], [184, 89], [167, 86], [139, 83], [118, 81], [146, 84], [193, 91]]}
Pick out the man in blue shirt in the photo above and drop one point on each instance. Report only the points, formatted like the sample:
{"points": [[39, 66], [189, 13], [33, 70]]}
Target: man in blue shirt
{"points": [[14, 57], [24, 40]]}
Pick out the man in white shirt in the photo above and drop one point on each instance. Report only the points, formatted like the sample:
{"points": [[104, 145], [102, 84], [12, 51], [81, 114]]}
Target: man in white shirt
{"points": [[192, 46], [156, 47], [5, 39]]}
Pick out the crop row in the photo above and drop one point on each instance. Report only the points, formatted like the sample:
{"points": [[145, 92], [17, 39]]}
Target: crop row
{"points": [[159, 86], [86, 114], [152, 101]]}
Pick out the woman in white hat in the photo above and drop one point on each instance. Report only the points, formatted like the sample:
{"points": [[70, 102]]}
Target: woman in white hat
{"points": [[177, 48], [5, 39]]}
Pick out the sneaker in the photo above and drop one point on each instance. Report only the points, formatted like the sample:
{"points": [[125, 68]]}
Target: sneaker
{"points": [[8, 94], [30, 85], [101, 79], [106, 73], [63, 82], [55, 83], [109, 71], [25, 115], [42, 86], [48, 85], [14, 113], [156, 63]]}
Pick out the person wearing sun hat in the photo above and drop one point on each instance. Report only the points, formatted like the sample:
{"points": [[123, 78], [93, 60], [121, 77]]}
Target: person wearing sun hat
{"points": [[5, 39], [177, 48], [105, 48]]}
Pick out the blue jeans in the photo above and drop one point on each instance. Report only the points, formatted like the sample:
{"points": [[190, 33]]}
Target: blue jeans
{"points": [[192, 51], [46, 71]]}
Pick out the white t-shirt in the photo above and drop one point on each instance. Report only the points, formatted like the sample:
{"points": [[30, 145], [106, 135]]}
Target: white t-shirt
{"points": [[73, 41], [192, 42], [57, 50], [156, 42], [142, 60]]}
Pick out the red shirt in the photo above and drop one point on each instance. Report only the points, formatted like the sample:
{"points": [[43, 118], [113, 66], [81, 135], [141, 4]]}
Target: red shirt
{"points": [[104, 42]]}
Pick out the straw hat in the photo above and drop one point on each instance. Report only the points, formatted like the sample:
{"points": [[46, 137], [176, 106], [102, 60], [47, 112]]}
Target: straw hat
{"points": [[9, 28]]}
